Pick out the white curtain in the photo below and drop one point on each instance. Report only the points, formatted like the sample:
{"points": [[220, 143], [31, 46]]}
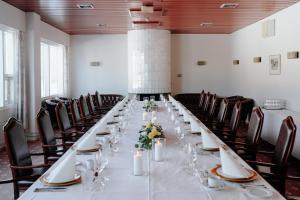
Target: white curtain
{"points": [[66, 71], [20, 104]]}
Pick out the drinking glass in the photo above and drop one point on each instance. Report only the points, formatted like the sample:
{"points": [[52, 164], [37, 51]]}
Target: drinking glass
{"points": [[152, 98]]}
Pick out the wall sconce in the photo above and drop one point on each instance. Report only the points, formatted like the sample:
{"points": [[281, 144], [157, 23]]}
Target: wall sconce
{"points": [[201, 62], [236, 62], [293, 55], [95, 64], [257, 59]]}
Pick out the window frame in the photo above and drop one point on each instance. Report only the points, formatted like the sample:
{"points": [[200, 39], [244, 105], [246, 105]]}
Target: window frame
{"points": [[9, 77], [52, 43]]}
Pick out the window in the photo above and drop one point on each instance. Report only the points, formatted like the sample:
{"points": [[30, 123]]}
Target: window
{"points": [[52, 69], [7, 65]]}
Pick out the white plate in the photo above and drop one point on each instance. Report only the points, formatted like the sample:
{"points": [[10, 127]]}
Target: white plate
{"points": [[219, 171], [259, 192]]}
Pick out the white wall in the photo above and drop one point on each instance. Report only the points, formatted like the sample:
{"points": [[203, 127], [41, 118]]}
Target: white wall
{"points": [[111, 76], [12, 16], [253, 80], [187, 49], [111, 51]]}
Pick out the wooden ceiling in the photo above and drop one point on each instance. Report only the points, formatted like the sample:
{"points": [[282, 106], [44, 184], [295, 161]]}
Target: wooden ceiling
{"points": [[178, 16]]}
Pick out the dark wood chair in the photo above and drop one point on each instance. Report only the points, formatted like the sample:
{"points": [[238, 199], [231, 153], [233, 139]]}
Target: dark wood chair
{"points": [[213, 109], [84, 110], [98, 103], [77, 119], [246, 146], [206, 105], [220, 120], [24, 173], [92, 108], [52, 150], [275, 171], [228, 132], [64, 123]]}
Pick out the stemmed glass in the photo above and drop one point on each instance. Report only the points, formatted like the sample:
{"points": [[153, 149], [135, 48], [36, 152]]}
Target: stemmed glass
{"points": [[179, 135]]}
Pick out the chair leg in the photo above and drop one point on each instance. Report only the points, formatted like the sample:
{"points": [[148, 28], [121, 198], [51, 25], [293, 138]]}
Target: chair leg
{"points": [[16, 190]]}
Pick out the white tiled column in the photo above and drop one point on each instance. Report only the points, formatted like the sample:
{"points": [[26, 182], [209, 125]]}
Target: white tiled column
{"points": [[149, 68]]}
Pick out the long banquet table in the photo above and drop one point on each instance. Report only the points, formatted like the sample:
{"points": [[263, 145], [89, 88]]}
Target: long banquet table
{"points": [[165, 180]]}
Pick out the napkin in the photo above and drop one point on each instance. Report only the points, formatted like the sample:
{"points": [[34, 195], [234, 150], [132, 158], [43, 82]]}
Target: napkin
{"points": [[195, 126], [231, 167], [208, 141], [88, 143], [64, 171]]}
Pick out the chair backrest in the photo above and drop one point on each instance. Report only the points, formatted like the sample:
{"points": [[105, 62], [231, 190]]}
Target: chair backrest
{"points": [[62, 117], [90, 103], [84, 109], [206, 103], [235, 117], [255, 126], [222, 111], [247, 108], [17, 147], [97, 99], [201, 98], [75, 111], [45, 129], [285, 142], [212, 106]]}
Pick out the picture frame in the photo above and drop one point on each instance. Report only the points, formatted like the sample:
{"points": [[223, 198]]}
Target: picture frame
{"points": [[275, 65]]}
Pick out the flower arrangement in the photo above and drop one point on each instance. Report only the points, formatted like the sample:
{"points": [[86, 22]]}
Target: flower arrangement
{"points": [[147, 133], [149, 105]]}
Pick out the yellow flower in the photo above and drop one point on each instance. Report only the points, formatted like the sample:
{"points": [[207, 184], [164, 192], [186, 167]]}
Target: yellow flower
{"points": [[151, 135], [148, 125]]}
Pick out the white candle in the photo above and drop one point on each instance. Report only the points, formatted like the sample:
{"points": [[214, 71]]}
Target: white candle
{"points": [[158, 151], [145, 116], [153, 113], [138, 164], [153, 120]]}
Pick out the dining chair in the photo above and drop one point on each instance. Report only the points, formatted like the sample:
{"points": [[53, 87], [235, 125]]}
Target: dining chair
{"points": [[52, 150], [77, 119], [228, 132], [91, 106], [206, 105], [246, 146], [64, 122], [276, 170], [98, 103], [220, 120], [24, 173], [84, 110], [213, 109]]}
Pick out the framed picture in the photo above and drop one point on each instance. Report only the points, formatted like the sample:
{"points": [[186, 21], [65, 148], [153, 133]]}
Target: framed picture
{"points": [[275, 65]]}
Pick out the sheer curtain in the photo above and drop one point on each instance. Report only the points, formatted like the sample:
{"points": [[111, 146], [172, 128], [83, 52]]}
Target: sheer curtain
{"points": [[20, 104]]}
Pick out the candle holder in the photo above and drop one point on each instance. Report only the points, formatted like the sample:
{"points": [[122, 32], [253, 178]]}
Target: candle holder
{"points": [[158, 149], [140, 162]]}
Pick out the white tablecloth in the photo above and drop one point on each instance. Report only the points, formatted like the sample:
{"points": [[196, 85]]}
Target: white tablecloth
{"points": [[272, 124], [166, 180]]}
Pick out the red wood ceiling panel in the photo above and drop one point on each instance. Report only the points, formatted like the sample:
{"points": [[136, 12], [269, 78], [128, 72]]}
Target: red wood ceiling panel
{"points": [[179, 16]]}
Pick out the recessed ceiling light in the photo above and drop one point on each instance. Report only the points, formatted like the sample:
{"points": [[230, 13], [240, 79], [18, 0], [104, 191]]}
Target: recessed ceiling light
{"points": [[85, 6], [229, 5], [101, 25], [206, 24]]}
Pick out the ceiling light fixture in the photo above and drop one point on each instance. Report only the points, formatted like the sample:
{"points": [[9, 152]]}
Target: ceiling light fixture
{"points": [[85, 6], [229, 5], [102, 25], [206, 24]]}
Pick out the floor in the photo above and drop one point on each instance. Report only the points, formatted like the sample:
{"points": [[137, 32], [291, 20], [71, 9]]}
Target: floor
{"points": [[6, 190]]}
